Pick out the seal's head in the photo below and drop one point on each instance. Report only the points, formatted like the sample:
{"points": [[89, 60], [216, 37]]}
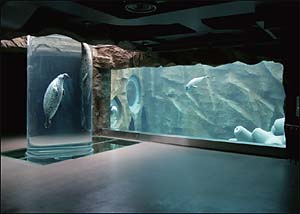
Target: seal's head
{"points": [[187, 88], [64, 76]]}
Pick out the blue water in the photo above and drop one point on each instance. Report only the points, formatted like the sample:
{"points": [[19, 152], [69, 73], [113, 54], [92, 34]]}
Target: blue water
{"points": [[235, 94], [46, 68]]}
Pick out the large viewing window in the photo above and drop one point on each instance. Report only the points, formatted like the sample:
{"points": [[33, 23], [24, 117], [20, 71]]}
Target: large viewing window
{"points": [[235, 102]]}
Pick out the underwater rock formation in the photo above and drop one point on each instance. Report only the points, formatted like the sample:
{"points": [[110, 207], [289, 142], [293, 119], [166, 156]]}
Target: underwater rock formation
{"points": [[278, 127], [267, 138], [261, 136], [235, 94]]}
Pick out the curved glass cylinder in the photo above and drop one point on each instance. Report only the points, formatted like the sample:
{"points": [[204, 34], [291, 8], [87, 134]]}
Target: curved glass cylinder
{"points": [[59, 80]]}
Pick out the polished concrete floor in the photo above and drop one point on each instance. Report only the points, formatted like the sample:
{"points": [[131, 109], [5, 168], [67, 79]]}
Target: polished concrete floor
{"points": [[150, 177]]}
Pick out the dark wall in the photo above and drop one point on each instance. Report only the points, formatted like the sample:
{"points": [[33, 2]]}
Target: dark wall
{"points": [[290, 49], [13, 93]]}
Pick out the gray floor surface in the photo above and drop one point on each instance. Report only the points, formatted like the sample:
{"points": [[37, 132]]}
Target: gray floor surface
{"points": [[151, 177]]}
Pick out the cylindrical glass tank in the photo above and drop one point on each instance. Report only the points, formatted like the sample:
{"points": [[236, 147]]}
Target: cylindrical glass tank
{"points": [[59, 81]]}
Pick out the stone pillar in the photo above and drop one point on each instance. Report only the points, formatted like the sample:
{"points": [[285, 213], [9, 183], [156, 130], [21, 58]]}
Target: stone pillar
{"points": [[101, 99]]}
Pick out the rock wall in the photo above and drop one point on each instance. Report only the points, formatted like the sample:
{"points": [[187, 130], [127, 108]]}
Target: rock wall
{"points": [[234, 94], [101, 99], [19, 42]]}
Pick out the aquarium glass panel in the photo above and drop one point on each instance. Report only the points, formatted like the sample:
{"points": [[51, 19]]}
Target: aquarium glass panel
{"points": [[235, 102], [59, 75]]}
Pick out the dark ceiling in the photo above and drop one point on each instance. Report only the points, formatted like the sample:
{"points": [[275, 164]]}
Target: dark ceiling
{"points": [[171, 24], [118, 8]]}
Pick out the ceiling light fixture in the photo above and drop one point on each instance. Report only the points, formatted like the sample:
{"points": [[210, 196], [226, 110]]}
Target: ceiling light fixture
{"points": [[140, 7]]}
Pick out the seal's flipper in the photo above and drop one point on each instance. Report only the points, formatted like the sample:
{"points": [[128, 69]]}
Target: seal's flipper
{"points": [[194, 86]]}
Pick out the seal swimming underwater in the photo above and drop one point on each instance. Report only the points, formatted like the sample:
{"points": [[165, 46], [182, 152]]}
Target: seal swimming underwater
{"points": [[53, 97], [86, 70], [192, 83]]}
